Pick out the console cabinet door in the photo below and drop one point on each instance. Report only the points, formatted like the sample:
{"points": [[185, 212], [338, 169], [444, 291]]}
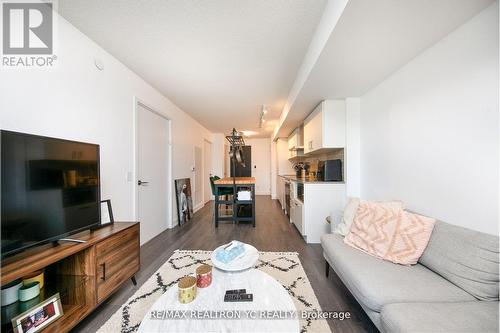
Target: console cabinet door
{"points": [[117, 260]]}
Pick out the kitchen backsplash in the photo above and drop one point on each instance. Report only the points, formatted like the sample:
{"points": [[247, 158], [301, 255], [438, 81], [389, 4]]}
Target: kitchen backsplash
{"points": [[333, 155]]}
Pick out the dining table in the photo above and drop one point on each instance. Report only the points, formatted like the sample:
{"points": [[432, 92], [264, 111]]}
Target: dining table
{"points": [[243, 207]]}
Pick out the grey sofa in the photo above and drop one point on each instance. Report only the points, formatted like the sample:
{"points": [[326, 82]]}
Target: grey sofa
{"points": [[453, 288]]}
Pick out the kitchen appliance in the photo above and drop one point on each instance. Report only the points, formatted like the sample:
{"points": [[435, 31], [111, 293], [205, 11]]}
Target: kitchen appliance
{"points": [[296, 216], [330, 170], [300, 191], [287, 197]]}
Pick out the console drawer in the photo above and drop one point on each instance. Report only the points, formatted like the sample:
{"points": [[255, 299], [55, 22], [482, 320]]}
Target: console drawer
{"points": [[117, 259], [117, 241]]}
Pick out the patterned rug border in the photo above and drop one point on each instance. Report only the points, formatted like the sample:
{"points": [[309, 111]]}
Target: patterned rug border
{"points": [[261, 252]]}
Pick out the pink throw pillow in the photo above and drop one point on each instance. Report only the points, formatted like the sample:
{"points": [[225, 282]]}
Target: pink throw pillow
{"points": [[390, 233]]}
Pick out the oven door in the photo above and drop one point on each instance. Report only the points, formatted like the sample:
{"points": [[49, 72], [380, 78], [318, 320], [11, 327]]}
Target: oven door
{"points": [[287, 198], [300, 192]]}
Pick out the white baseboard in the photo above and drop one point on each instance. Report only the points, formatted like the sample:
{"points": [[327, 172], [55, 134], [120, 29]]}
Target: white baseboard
{"points": [[175, 223], [198, 207]]}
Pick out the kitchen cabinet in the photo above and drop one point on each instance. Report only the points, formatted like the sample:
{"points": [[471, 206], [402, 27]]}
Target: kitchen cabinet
{"points": [[296, 215], [296, 139], [296, 143], [292, 140], [280, 192], [320, 199], [324, 128]]}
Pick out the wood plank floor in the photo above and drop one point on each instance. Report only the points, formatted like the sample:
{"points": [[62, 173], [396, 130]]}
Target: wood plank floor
{"points": [[272, 233]]}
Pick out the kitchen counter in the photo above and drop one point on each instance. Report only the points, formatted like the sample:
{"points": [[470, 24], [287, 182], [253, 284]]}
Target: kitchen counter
{"points": [[308, 180], [317, 200]]}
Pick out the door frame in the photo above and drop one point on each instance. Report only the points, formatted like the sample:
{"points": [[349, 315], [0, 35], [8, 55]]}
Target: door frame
{"points": [[198, 206], [135, 192], [210, 170]]}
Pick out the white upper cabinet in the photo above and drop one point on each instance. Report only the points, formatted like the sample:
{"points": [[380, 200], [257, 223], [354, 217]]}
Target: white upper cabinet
{"points": [[296, 143], [292, 140], [296, 139], [324, 128]]}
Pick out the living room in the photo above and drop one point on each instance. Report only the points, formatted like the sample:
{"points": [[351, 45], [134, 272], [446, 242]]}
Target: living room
{"points": [[312, 166]]}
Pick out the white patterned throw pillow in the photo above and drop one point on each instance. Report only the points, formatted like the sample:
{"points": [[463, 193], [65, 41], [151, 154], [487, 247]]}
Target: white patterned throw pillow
{"points": [[350, 211]]}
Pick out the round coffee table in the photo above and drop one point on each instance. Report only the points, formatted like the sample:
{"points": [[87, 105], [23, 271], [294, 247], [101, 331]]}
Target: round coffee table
{"points": [[272, 309]]}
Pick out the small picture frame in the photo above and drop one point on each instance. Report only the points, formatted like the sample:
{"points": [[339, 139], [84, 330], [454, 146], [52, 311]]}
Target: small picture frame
{"points": [[106, 213], [39, 316]]}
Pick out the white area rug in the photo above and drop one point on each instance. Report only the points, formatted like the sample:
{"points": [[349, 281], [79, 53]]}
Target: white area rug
{"points": [[285, 267]]}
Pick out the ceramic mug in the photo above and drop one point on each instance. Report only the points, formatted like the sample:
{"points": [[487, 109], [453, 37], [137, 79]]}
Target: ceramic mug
{"points": [[37, 276], [10, 292], [203, 276], [187, 289], [29, 291]]}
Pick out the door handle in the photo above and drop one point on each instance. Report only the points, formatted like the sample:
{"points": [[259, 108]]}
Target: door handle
{"points": [[103, 271], [140, 182]]}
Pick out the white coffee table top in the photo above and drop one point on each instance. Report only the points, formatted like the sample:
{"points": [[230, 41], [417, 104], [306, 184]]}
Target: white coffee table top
{"points": [[268, 295]]}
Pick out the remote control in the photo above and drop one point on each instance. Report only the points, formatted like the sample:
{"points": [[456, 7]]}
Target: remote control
{"points": [[238, 298], [236, 291], [246, 298]]}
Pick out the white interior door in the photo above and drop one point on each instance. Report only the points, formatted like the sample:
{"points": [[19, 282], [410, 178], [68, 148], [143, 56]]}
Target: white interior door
{"points": [[261, 165], [207, 170], [198, 175], [153, 174]]}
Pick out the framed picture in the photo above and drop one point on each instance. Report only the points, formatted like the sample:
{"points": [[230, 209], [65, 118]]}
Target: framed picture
{"points": [[39, 316], [184, 200], [106, 213]]}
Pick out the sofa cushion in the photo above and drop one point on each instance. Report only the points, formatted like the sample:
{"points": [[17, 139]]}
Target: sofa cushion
{"points": [[351, 209], [476, 316], [348, 215], [465, 257], [390, 234], [376, 282]]}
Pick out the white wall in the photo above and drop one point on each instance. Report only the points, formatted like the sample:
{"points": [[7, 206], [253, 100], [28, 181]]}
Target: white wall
{"points": [[429, 133], [76, 101], [274, 170], [261, 164], [218, 154], [352, 149]]}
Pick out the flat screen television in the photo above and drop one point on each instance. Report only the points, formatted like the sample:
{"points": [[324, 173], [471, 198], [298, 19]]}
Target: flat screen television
{"points": [[50, 189]]}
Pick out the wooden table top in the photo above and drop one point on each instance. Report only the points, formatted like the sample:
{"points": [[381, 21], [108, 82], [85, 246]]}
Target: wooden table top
{"points": [[239, 181]]}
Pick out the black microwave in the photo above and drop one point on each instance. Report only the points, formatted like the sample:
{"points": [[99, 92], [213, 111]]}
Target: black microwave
{"points": [[330, 170]]}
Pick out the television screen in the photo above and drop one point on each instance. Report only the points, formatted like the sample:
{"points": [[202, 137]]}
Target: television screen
{"points": [[50, 189]]}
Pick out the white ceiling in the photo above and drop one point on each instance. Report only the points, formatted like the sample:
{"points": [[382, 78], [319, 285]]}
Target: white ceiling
{"points": [[221, 60], [218, 60], [372, 40]]}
